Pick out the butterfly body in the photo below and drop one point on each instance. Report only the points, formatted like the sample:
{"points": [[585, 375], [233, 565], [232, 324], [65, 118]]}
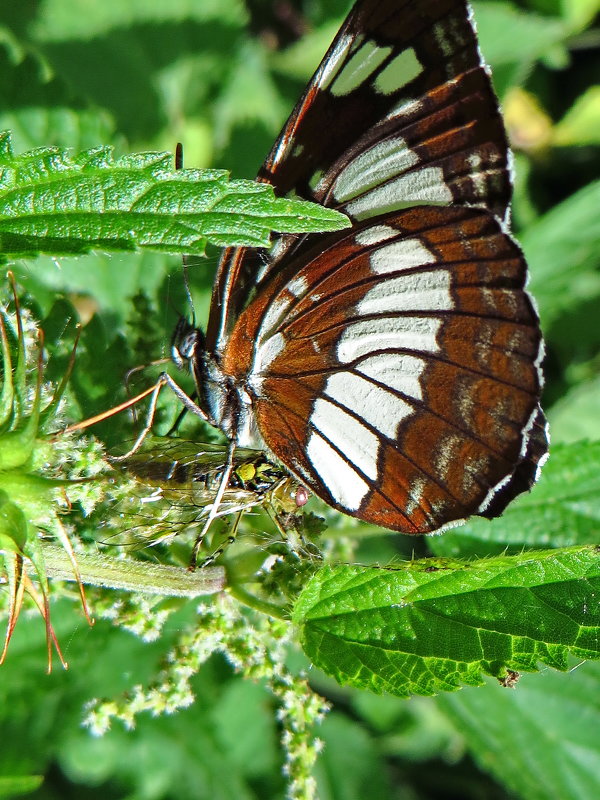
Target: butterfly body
{"points": [[393, 367], [222, 395]]}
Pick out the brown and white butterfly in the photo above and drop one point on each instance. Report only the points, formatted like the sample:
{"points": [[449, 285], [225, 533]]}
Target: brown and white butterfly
{"points": [[393, 367]]}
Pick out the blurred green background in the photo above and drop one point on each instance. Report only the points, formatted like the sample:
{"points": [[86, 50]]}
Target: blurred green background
{"points": [[221, 76]]}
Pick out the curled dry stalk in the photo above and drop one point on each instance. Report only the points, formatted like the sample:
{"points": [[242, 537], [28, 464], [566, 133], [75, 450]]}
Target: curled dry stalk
{"points": [[32, 490]]}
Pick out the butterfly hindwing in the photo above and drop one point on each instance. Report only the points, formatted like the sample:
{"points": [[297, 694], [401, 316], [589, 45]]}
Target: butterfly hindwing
{"points": [[394, 370]]}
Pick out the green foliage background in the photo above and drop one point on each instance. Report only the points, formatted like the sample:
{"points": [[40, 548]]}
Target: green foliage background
{"points": [[221, 76]]}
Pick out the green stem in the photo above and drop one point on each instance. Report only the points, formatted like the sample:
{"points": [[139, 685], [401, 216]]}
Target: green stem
{"points": [[248, 599], [134, 576]]}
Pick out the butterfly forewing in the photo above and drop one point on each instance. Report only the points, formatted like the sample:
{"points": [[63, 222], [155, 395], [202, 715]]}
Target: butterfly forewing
{"points": [[393, 367], [400, 112], [393, 64]]}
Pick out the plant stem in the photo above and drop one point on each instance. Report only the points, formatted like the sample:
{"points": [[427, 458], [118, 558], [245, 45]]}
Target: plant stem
{"points": [[248, 599], [134, 576]]}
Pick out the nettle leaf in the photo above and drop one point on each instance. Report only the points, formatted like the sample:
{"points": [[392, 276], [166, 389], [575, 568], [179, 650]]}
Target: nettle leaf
{"points": [[562, 509], [575, 415], [249, 95], [52, 201], [512, 40], [563, 249], [92, 49], [433, 625], [510, 35], [60, 20]]}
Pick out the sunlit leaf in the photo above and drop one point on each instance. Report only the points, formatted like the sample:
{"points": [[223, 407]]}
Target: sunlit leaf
{"points": [[576, 415], [61, 19], [563, 250], [435, 625], [39, 107], [581, 124], [55, 202], [17, 785], [510, 35]]}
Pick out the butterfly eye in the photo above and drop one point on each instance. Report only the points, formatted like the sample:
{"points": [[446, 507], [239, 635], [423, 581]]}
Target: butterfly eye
{"points": [[187, 345], [185, 342]]}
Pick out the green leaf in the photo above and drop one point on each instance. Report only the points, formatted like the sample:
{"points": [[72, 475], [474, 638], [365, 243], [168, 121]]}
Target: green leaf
{"points": [[575, 416], [579, 13], [14, 527], [509, 35], [109, 281], [40, 717], [351, 766], [563, 509], [58, 20], [54, 202], [563, 250], [581, 124], [39, 108], [434, 625], [248, 95], [301, 59], [244, 706], [92, 49], [415, 731], [540, 740], [16, 785]]}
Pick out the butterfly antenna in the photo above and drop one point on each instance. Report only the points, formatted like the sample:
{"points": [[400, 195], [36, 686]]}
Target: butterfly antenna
{"points": [[185, 259], [186, 282]]}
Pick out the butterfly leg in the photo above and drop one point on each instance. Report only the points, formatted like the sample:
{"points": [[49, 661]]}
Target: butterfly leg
{"points": [[220, 550], [163, 380], [175, 426], [149, 420], [187, 401], [213, 509]]}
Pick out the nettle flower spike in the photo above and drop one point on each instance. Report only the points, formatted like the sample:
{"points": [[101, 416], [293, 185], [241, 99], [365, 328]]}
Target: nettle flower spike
{"points": [[30, 501]]}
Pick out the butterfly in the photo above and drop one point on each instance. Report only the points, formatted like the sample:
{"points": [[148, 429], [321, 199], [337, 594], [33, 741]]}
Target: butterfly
{"points": [[392, 367]]}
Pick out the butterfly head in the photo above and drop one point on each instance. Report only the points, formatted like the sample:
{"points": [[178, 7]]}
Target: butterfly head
{"points": [[188, 353], [187, 343]]}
